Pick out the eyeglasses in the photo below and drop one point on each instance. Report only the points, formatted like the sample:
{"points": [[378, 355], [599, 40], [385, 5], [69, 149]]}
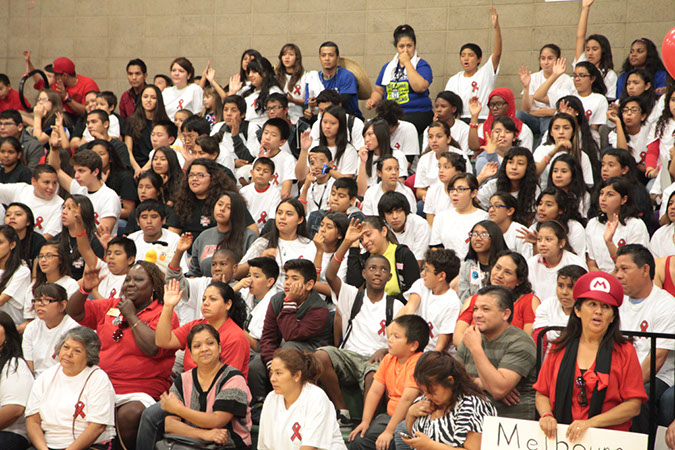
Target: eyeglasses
{"points": [[479, 235], [42, 100], [119, 332], [275, 108], [43, 301], [9, 123], [48, 256], [199, 175], [633, 110], [460, 189], [495, 105], [580, 75], [582, 399], [496, 207]]}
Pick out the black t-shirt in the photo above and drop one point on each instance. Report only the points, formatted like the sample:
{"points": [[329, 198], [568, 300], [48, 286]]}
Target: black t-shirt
{"points": [[123, 183], [120, 148], [172, 220], [200, 220], [20, 174], [77, 264], [35, 241], [143, 146]]}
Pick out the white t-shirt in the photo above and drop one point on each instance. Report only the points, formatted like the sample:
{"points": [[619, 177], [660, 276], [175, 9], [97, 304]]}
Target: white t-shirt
{"points": [[66, 282], [543, 150], [255, 324], [374, 193], [16, 288], [169, 237], [47, 213], [298, 93], [610, 78], [16, 382], [655, 314], [349, 161], [113, 129], [106, 203], [550, 314], [636, 143], [596, 107], [368, 332], [440, 311], [299, 248], [415, 235], [284, 169], [427, 167], [515, 243], [227, 155], [634, 232], [39, 342], [459, 132], [318, 196], [662, 244], [544, 279], [452, 230], [402, 167], [405, 139], [355, 135], [437, 199], [54, 396], [190, 97], [564, 83], [255, 118], [111, 284], [261, 205], [309, 422], [480, 85]]}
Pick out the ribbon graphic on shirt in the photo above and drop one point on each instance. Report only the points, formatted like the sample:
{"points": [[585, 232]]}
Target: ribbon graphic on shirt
{"points": [[431, 330], [96, 218], [263, 217], [474, 86], [296, 432], [296, 90], [621, 243], [643, 326], [589, 113], [276, 179], [383, 327], [180, 104], [38, 222], [112, 293], [79, 410]]}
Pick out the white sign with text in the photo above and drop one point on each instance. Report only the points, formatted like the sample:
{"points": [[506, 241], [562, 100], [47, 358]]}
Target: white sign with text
{"points": [[516, 434]]}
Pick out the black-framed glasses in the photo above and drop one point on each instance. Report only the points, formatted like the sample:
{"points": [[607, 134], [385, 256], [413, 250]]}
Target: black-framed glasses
{"points": [[479, 235], [494, 105], [460, 189], [43, 301], [582, 398], [633, 110], [119, 332], [581, 75]]}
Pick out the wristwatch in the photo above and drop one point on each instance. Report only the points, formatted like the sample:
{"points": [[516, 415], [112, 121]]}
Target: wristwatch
{"points": [[68, 99]]}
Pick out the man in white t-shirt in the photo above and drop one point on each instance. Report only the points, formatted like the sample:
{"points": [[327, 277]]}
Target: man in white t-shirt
{"points": [[87, 165], [40, 197], [363, 334], [646, 308], [409, 229]]}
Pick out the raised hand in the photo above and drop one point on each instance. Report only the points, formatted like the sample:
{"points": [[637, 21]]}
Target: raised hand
{"points": [[305, 140], [172, 293], [354, 232], [185, 242], [525, 76], [475, 106], [527, 235], [612, 225], [559, 66], [489, 170], [494, 17], [211, 75], [235, 84], [91, 278], [103, 235]]}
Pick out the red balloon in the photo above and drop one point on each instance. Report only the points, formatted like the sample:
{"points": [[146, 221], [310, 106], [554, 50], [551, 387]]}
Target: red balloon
{"points": [[668, 52]]}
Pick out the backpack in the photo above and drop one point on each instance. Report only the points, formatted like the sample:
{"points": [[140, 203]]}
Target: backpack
{"points": [[356, 308]]}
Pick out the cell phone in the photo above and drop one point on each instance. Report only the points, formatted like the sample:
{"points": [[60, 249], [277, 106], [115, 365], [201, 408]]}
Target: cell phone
{"points": [[404, 435], [325, 169]]}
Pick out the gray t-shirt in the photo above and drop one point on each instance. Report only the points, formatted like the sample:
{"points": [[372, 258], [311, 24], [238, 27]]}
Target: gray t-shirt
{"points": [[514, 350]]}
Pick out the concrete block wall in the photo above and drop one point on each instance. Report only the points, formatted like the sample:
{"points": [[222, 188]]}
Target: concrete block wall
{"points": [[100, 37]]}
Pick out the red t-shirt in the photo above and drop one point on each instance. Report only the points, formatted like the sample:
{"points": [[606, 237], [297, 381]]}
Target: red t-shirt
{"points": [[235, 350], [77, 92], [12, 102], [522, 311], [129, 369], [625, 382]]}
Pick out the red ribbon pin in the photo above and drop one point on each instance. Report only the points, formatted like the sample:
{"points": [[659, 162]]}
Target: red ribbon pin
{"points": [[96, 218], [383, 327], [180, 103], [263, 217], [112, 293], [296, 90], [474, 86], [296, 432], [431, 330], [621, 243], [38, 222], [644, 325], [589, 113], [79, 410], [276, 179]]}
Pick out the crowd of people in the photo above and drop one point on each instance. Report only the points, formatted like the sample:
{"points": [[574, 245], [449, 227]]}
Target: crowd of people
{"points": [[200, 264]]}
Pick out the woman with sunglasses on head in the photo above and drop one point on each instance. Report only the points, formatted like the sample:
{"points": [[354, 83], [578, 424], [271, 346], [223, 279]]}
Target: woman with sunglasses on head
{"points": [[138, 369], [591, 377], [42, 334]]}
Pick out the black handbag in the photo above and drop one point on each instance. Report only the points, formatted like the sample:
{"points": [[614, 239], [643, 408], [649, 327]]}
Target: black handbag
{"points": [[175, 442]]}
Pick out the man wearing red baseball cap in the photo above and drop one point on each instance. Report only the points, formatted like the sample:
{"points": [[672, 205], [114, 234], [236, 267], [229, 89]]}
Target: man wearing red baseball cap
{"points": [[71, 87]]}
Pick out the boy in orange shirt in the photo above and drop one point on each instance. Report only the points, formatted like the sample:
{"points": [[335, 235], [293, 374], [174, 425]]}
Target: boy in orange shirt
{"points": [[408, 335]]}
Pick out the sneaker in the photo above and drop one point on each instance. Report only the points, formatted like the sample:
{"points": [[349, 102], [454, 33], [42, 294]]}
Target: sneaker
{"points": [[344, 420]]}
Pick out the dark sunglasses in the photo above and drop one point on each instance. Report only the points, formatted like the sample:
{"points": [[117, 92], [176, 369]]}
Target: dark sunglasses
{"points": [[582, 399]]}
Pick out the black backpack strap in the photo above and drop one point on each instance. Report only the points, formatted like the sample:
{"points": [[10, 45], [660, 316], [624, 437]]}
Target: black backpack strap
{"points": [[350, 124], [356, 307], [389, 311]]}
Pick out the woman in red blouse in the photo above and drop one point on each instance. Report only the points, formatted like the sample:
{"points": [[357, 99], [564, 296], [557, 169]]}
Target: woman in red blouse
{"points": [[591, 378]]}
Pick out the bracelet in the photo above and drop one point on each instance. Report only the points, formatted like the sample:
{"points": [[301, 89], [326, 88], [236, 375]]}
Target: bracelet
{"points": [[547, 160], [81, 234], [83, 291], [546, 415], [177, 269], [304, 202], [134, 325], [318, 270], [474, 125], [336, 259]]}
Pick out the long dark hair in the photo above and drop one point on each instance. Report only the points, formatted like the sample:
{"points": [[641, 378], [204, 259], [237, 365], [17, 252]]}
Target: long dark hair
{"points": [[435, 368], [263, 67], [272, 236], [379, 223], [565, 208], [14, 258], [64, 264], [653, 63], [238, 309], [606, 62], [341, 222], [136, 122], [156, 181], [219, 184], [116, 166], [573, 330], [577, 189], [623, 187], [381, 131], [298, 70], [175, 174], [647, 99], [497, 243], [253, 54], [527, 186], [27, 241], [587, 143], [88, 218], [666, 115], [510, 202], [598, 84], [522, 273], [233, 239], [11, 348], [342, 138]]}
